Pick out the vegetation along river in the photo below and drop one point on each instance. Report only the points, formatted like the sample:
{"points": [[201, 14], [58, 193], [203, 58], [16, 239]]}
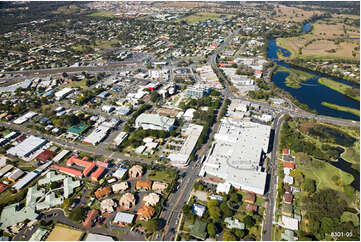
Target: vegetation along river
{"points": [[311, 91]]}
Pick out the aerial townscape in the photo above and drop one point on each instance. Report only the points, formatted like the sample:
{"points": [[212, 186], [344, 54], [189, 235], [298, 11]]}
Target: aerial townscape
{"points": [[179, 120]]}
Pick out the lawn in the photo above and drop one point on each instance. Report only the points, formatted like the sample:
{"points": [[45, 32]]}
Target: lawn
{"points": [[102, 14], [64, 233], [295, 77], [341, 108], [348, 216], [352, 154], [339, 87], [323, 176], [161, 176], [326, 40], [203, 16], [81, 84]]}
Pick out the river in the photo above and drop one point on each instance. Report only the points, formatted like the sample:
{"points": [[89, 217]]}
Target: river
{"points": [[311, 92]]}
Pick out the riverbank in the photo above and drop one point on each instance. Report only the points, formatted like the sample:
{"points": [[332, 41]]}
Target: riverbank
{"points": [[295, 77], [341, 88]]}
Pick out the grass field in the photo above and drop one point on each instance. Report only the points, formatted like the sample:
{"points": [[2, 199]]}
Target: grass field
{"points": [[102, 14], [63, 233], [328, 39], [323, 176], [337, 86], [352, 154], [341, 108], [285, 13], [348, 216], [160, 176], [295, 77], [203, 16]]}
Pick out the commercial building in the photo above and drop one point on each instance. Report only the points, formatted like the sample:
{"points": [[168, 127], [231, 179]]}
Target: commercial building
{"points": [[63, 93], [154, 121], [120, 138], [6, 169], [15, 175], [192, 133], [98, 135], [197, 91], [39, 234], [25, 118], [27, 147], [237, 152], [61, 155]]}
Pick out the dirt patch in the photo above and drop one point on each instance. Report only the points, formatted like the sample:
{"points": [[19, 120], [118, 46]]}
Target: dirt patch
{"points": [[63, 233]]}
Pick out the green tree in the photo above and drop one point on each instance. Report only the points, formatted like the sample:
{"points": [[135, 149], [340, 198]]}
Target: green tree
{"points": [[214, 211], [249, 221], [309, 185], [228, 236], [212, 230], [152, 225], [227, 212]]}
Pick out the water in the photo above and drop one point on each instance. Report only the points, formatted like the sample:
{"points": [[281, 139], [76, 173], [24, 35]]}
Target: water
{"points": [[347, 167], [306, 28], [311, 92]]}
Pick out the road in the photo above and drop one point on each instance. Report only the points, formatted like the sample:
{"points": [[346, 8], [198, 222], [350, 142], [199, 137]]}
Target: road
{"points": [[270, 196]]}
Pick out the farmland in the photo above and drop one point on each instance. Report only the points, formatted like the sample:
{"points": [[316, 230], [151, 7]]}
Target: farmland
{"points": [[329, 39]]}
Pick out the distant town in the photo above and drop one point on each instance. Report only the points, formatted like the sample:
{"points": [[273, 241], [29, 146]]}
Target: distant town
{"points": [[179, 121]]}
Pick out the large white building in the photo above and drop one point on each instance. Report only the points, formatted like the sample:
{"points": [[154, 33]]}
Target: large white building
{"points": [[154, 121], [27, 147], [192, 133], [63, 93], [236, 154]]}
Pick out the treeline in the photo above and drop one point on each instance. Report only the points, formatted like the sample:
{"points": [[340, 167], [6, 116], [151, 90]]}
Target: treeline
{"points": [[338, 7]]}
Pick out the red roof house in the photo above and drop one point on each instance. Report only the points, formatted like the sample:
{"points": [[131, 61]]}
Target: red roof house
{"points": [[286, 151], [69, 171], [45, 155], [92, 214], [97, 174], [3, 187], [89, 166]]}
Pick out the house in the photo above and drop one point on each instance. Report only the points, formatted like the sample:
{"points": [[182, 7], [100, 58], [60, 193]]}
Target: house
{"points": [[289, 223], [143, 185], [101, 192], [151, 199], [15, 175], [3, 187], [159, 186], [198, 230], [120, 187], [145, 212], [250, 198], [135, 171], [107, 206], [122, 218], [252, 208], [127, 201], [92, 214], [288, 180], [223, 187], [98, 237], [120, 172], [198, 209], [288, 198], [234, 223], [45, 156]]}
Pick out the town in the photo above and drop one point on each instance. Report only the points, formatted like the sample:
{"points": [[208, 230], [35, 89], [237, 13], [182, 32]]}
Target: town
{"points": [[179, 121]]}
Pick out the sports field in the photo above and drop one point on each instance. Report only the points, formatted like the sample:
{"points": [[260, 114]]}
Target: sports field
{"points": [[63, 233]]}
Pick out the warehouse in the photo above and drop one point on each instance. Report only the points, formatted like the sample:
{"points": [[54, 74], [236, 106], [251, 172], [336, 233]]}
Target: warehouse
{"points": [[98, 135], [120, 138], [28, 146], [237, 152], [154, 121]]}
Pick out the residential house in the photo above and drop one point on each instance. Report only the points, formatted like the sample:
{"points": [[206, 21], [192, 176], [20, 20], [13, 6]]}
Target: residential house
{"points": [[143, 185]]}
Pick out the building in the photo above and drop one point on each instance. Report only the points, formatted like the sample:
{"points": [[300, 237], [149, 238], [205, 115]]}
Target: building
{"points": [[45, 156], [289, 223], [15, 175], [25, 117], [188, 114], [69, 186], [120, 138], [288, 235], [198, 209], [98, 237], [91, 217], [107, 206], [288, 198], [154, 121], [151, 199], [14, 214], [199, 229], [145, 213], [77, 129], [192, 133], [51, 177], [223, 187], [31, 176], [98, 135], [61, 155], [39, 234], [50, 201], [6, 169], [63, 93], [3, 187], [159, 186], [127, 201], [236, 154], [122, 218], [251, 208], [120, 187], [97, 174], [27, 147], [143, 185], [196, 91], [88, 165], [135, 172], [102, 192], [234, 223], [250, 198], [120, 172]]}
